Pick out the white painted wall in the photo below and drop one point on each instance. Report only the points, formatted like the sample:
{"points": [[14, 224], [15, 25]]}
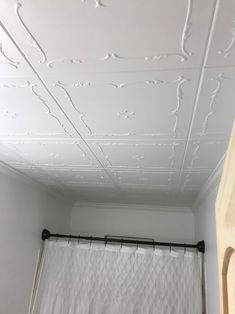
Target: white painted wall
{"points": [[25, 210], [205, 228], [131, 220]]}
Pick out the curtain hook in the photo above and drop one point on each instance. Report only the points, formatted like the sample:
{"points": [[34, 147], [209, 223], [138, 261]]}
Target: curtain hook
{"points": [[106, 241], [78, 239], [154, 245], [137, 245], [90, 241], [121, 243], [170, 247], [184, 249]]}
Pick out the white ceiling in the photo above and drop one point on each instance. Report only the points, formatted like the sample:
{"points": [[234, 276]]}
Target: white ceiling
{"points": [[117, 100]]}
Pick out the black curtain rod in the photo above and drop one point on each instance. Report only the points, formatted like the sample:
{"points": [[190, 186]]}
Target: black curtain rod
{"points": [[200, 246]]}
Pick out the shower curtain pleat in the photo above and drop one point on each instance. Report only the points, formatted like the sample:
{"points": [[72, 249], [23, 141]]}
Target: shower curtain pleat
{"points": [[98, 279]]}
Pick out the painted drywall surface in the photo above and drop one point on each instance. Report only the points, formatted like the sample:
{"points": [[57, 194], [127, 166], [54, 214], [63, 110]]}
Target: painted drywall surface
{"points": [[205, 228], [24, 211], [126, 220]]}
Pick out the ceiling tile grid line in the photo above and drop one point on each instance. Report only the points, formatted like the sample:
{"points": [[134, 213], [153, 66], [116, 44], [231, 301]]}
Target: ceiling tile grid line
{"points": [[117, 114], [201, 75]]}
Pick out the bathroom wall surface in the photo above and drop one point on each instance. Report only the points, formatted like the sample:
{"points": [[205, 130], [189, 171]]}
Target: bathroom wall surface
{"points": [[25, 209], [161, 223]]}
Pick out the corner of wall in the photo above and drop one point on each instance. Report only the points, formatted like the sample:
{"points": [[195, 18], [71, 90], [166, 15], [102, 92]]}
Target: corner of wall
{"points": [[210, 185]]}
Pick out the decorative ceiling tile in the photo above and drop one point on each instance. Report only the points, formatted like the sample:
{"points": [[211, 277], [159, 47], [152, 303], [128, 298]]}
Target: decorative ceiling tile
{"points": [[222, 47], [54, 153], [27, 111], [130, 105], [156, 34], [140, 155], [9, 156], [204, 154], [12, 63], [144, 179], [216, 106], [74, 177], [36, 173], [111, 101], [193, 180]]}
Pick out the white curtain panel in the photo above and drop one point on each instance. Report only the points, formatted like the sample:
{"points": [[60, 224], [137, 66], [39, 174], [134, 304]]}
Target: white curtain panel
{"points": [[98, 279]]}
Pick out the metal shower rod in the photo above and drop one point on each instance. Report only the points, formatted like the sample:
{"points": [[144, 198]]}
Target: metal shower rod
{"points": [[200, 246]]}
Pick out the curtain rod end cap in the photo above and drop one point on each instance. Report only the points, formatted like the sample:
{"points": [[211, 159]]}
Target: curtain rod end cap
{"points": [[45, 234], [201, 246]]}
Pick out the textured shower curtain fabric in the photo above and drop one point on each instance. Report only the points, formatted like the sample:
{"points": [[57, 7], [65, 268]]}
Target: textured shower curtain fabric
{"points": [[98, 279]]}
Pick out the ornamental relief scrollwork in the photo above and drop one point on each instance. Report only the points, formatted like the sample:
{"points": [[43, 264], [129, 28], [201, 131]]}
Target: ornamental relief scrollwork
{"points": [[180, 81], [228, 50], [6, 59], [213, 97], [33, 88], [136, 156], [183, 55]]}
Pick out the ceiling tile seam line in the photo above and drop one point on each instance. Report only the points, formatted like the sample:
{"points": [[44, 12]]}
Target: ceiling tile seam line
{"points": [[139, 70], [55, 100], [114, 168], [201, 77], [118, 171], [13, 138], [117, 140], [122, 170], [219, 66]]}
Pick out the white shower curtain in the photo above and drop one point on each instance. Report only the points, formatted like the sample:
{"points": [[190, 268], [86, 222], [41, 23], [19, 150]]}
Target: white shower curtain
{"points": [[98, 279]]}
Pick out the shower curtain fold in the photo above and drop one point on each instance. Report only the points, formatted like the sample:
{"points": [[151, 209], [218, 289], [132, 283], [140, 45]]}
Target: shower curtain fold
{"points": [[98, 279]]}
